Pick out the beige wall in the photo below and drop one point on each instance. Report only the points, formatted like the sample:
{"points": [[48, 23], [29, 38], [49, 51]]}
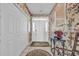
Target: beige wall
{"points": [[57, 17]]}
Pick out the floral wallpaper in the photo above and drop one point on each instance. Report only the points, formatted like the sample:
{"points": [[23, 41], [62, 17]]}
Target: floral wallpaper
{"points": [[72, 10]]}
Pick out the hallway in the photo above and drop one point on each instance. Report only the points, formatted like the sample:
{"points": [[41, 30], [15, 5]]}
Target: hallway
{"points": [[26, 29]]}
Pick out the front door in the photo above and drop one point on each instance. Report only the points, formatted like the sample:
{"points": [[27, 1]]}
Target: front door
{"points": [[39, 31]]}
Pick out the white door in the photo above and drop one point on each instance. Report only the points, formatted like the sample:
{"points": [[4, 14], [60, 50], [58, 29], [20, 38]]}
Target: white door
{"points": [[39, 32]]}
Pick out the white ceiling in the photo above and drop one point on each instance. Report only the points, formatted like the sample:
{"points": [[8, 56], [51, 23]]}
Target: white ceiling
{"points": [[40, 8]]}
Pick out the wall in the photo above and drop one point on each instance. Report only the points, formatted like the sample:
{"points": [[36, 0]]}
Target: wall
{"points": [[0, 29], [14, 30], [56, 17]]}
